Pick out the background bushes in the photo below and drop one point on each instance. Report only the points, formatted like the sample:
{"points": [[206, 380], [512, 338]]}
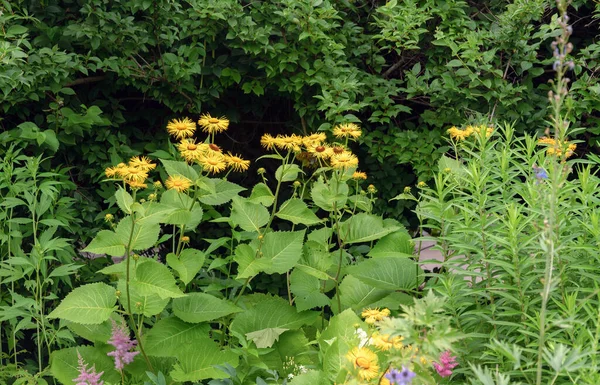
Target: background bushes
{"points": [[96, 80]]}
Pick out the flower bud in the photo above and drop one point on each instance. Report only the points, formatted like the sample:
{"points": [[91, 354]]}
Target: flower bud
{"points": [[185, 239], [297, 184], [371, 189], [109, 217], [261, 171]]}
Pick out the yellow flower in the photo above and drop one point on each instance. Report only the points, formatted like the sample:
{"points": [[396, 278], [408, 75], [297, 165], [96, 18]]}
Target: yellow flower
{"points": [[407, 190], [185, 239], [142, 163], [181, 128], [556, 147], [288, 142], [133, 174], [344, 160], [314, 139], [111, 172], [213, 125], [371, 189], [421, 184], [359, 175], [213, 162], [109, 217], [320, 151], [236, 163], [157, 185], [365, 361], [347, 130], [137, 185], [384, 380], [458, 134], [190, 150], [178, 183], [384, 342], [268, 141], [373, 315]]}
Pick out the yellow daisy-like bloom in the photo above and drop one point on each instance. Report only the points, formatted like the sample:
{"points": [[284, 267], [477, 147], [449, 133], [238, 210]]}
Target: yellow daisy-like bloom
{"points": [[213, 125], [365, 361], [178, 183], [133, 174], [181, 128], [373, 315], [320, 151], [344, 160], [111, 172], [213, 162], [288, 142], [268, 141], [384, 342], [347, 130], [458, 134], [190, 150], [137, 185], [236, 162], [142, 163], [314, 139], [556, 147], [359, 175]]}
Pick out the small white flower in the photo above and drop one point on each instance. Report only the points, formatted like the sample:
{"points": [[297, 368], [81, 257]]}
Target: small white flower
{"points": [[290, 376]]}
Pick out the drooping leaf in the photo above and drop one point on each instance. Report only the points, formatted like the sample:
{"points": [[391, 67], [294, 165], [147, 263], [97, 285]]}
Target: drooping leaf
{"points": [[153, 212], [261, 193], [124, 200], [287, 172], [307, 290], [87, 304], [364, 227], [218, 191], [297, 212], [249, 216], [106, 242], [357, 295], [391, 273], [167, 336], [249, 262], [153, 277], [198, 364], [265, 338], [201, 307]]}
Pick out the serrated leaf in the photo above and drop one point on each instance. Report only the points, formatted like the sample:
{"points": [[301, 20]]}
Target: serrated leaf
{"points": [[218, 191], [249, 216], [188, 264], [391, 273], [168, 335], [265, 338], [357, 295], [153, 277], [396, 244], [201, 307], [64, 363], [143, 236], [249, 264], [261, 193], [87, 304], [364, 227], [297, 212], [95, 332], [153, 213], [106, 242], [282, 250], [148, 305], [287, 172], [199, 364], [175, 168], [331, 195], [307, 291], [124, 200]]}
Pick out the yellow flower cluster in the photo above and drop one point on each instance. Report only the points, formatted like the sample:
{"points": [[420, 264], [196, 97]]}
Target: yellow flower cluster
{"points": [[556, 147], [384, 342], [459, 134], [312, 150], [208, 155], [373, 315], [134, 173]]}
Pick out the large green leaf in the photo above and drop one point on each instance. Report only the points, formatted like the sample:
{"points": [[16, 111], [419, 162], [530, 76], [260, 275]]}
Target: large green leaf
{"points": [[143, 236], [149, 304], [265, 338], [175, 168], [201, 307], [261, 193], [95, 332], [282, 249], [391, 273], [357, 295], [331, 195], [152, 277], [297, 212], [64, 363], [87, 304], [249, 216], [249, 263], [197, 361], [312, 377], [271, 312], [287, 172], [106, 242], [217, 191], [150, 213], [188, 264], [183, 210], [364, 227], [397, 244], [307, 290], [124, 200], [168, 335]]}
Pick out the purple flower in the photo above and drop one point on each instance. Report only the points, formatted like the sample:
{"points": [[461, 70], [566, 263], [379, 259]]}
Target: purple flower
{"points": [[120, 340], [540, 173], [446, 364], [87, 376], [400, 377]]}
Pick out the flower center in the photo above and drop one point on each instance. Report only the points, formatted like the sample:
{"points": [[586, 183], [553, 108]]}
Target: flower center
{"points": [[213, 120], [338, 150], [363, 362], [192, 147], [177, 183], [214, 147], [320, 149]]}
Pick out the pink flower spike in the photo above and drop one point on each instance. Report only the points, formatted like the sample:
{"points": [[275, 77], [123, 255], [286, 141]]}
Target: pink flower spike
{"points": [[87, 376], [446, 364], [120, 340]]}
